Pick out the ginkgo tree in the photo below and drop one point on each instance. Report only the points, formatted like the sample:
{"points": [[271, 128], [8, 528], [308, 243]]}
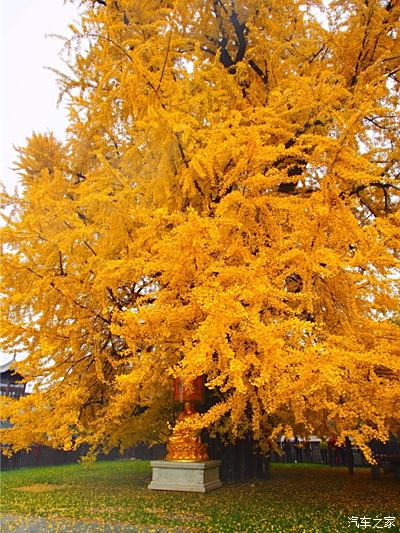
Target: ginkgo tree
{"points": [[226, 205]]}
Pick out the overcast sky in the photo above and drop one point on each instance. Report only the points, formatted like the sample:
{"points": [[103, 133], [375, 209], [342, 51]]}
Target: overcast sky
{"points": [[29, 91]]}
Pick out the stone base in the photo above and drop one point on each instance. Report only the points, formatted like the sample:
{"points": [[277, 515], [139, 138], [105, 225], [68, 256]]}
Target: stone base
{"points": [[185, 476]]}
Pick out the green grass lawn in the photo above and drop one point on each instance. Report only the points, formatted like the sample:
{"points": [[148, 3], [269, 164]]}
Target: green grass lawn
{"points": [[296, 498]]}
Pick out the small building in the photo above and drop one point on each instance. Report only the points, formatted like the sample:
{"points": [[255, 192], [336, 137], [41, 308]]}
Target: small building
{"points": [[9, 382]]}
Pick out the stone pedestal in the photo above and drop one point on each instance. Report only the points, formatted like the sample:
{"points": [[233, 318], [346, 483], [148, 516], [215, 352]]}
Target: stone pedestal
{"points": [[185, 476]]}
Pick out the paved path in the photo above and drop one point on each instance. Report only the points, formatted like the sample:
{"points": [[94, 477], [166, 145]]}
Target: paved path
{"points": [[18, 524]]}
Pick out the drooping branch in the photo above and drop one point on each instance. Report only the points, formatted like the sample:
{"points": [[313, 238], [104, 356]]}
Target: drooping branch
{"points": [[117, 45], [93, 313]]}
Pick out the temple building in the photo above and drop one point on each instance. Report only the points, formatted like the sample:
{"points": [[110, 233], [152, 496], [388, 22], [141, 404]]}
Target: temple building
{"points": [[9, 381]]}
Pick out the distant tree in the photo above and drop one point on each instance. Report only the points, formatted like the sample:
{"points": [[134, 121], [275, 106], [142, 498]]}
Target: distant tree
{"points": [[226, 204]]}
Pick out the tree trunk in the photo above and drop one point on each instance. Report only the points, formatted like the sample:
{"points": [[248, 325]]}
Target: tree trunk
{"points": [[349, 456]]}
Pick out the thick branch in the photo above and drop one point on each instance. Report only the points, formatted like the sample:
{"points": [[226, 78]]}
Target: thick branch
{"points": [[239, 29], [259, 72]]}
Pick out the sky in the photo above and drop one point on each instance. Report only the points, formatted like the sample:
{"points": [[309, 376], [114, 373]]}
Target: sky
{"points": [[28, 90]]}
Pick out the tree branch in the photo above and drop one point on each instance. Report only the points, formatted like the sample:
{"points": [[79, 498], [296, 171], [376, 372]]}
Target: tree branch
{"points": [[62, 273], [181, 151], [239, 30], [259, 72], [165, 61], [78, 304], [90, 248]]}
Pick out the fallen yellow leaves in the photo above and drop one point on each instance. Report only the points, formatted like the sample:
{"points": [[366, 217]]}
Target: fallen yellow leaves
{"points": [[114, 494], [42, 487]]}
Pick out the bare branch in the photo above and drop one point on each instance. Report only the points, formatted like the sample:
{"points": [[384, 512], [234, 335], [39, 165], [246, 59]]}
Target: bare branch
{"points": [[62, 273], [90, 248]]}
